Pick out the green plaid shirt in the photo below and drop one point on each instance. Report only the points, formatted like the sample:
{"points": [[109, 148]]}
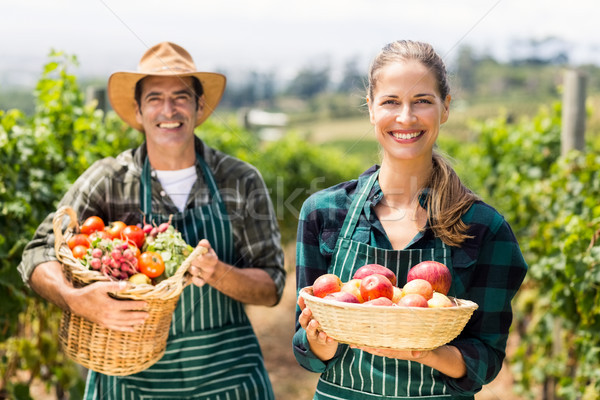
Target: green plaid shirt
{"points": [[110, 189], [488, 270]]}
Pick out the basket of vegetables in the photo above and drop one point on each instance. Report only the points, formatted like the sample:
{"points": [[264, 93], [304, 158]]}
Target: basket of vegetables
{"points": [[154, 261]]}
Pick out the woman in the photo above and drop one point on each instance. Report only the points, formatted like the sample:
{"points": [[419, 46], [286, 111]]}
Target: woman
{"points": [[410, 209]]}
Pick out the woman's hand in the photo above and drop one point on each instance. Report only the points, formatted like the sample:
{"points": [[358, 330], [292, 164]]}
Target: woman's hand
{"points": [[321, 344]]}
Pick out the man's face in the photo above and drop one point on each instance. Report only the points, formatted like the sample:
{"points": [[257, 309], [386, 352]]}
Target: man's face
{"points": [[168, 110]]}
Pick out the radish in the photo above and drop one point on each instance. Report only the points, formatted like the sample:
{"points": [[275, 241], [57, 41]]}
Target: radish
{"points": [[128, 255], [96, 263], [147, 229], [97, 253], [116, 254], [165, 225]]}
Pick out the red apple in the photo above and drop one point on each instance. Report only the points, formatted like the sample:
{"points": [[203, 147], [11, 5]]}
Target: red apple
{"points": [[418, 286], [343, 296], [413, 300], [433, 272], [325, 284], [370, 269], [380, 301], [353, 287], [376, 285], [439, 300]]}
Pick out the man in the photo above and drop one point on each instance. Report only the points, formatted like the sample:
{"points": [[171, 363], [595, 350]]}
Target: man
{"points": [[216, 201]]}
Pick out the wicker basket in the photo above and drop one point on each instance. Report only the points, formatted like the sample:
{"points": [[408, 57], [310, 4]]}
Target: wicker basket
{"points": [[104, 350], [402, 328]]}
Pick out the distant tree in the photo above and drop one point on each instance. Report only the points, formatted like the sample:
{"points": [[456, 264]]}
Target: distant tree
{"points": [[466, 66], [255, 88], [353, 78], [547, 51], [309, 82]]}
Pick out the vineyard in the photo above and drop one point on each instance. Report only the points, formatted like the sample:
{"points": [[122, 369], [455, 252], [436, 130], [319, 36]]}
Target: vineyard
{"points": [[551, 201]]}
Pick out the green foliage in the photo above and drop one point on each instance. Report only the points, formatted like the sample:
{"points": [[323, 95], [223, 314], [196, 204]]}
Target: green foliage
{"points": [[293, 169], [552, 204], [41, 156]]}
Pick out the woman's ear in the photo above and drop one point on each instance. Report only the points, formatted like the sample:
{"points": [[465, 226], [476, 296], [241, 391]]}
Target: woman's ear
{"points": [[446, 110], [370, 106]]}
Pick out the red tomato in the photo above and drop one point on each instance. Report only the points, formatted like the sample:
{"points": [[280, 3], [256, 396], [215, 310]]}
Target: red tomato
{"points": [[79, 239], [79, 251], [151, 264], [115, 228], [134, 234], [91, 225]]}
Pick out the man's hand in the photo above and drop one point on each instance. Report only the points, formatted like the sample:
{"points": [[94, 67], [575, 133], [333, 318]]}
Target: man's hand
{"points": [[91, 302], [94, 303], [204, 266]]}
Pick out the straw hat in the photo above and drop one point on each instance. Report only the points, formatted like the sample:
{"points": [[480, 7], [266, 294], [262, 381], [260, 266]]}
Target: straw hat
{"points": [[164, 59]]}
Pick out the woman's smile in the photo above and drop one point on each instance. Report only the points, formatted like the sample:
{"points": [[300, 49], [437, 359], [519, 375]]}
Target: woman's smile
{"points": [[407, 136]]}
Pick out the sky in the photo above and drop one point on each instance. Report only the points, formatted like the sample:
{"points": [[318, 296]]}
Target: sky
{"points": [[277, 35]]}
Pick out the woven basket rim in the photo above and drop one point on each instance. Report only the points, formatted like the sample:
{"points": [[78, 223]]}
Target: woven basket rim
{"points": [[393, 327], [462, 304], [167, 288]]}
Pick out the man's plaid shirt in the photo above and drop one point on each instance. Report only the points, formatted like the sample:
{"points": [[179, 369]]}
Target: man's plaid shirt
{"points": [[110, 189]]}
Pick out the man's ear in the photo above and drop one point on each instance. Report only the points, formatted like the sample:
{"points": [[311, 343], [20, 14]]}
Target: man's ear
{"points": [[200, 106], [138, 114]]}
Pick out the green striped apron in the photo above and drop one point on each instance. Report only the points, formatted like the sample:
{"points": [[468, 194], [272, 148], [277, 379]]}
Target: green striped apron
{"points": [[360, 375], [212, 352]]}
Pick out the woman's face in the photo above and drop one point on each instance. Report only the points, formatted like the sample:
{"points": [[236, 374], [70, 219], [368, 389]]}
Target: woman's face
{"points": [[406, 110]]}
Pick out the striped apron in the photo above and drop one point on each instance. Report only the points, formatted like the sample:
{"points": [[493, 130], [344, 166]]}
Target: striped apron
{"points": [[360, 375], [212, 352]]}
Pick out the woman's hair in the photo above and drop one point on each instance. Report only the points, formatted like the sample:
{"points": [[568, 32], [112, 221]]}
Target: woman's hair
{"points": [[404, 50], [448, 199]]}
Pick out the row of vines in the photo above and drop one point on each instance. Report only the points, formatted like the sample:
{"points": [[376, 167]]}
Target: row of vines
{"points": [[550, 201], [553, 204]]}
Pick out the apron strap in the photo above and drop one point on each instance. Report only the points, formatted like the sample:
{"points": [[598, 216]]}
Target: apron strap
{"points": [[146, 192], [356, 207]]}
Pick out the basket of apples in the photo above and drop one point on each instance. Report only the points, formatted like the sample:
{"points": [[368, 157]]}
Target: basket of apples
{"points": [[371, 310], [153, 260]]}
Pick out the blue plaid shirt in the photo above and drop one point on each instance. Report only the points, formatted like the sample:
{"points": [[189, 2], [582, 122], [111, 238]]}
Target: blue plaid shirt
{"points": [[488, 269]]}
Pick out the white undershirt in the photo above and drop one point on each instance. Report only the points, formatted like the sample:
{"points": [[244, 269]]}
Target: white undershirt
{"points": [[178, 184]]}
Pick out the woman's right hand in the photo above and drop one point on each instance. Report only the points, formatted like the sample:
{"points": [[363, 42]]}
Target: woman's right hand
{"points": [[321, 344]]}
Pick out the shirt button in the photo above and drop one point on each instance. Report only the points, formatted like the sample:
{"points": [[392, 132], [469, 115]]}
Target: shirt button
{"points": [[163, 193]]}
